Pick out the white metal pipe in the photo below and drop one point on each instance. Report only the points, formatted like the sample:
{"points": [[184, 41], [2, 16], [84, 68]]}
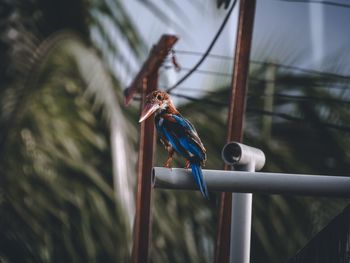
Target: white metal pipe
{"points": [[254, 182], [241, 224], [242, 158]]}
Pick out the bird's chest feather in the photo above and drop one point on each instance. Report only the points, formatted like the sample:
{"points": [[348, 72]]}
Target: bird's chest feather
{"points": [[160, 121], [169, 127], [163, 127]]}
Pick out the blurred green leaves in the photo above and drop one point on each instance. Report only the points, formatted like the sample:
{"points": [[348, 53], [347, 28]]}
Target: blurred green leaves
{"points": [[58, 183]]}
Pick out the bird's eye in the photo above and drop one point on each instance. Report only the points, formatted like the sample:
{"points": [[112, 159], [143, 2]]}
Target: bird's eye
{"points": [[159, 97]]}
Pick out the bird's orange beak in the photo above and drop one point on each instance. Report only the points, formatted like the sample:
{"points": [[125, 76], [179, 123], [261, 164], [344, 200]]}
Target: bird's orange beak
{"points": [[148, 110]]}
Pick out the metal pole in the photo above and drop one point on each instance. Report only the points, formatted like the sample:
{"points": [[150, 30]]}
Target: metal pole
{"points": [[255, 182], [241, 225], [242, 158], [235, 117]]}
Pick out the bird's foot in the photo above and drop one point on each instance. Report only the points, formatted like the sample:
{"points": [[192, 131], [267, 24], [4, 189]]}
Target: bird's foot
{"points": [[187, 164], [167, 164]]}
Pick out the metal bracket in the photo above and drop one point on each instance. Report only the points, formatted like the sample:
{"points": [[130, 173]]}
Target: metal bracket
{"points": [[242, 158]]}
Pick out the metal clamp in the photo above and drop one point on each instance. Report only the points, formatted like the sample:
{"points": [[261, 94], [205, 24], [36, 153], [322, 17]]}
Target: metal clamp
{"points": [[243, 157]]}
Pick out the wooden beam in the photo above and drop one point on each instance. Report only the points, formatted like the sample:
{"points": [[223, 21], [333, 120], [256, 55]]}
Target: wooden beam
{"points": [[143, 195], [146, 81], [151, 65]]}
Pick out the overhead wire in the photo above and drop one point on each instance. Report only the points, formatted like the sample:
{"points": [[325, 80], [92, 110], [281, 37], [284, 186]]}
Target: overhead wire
{"points": [[300, 98], [286, 96], [209, 72], [317, 2], [251, 78], [257, 95], [186, 88], [196, 53], [190, 98], [195, 67], [284, 116], [301, 69], [277, 95], [310, 71], [298, 119]]}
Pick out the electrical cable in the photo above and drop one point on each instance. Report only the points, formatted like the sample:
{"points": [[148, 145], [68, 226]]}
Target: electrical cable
{"points": [[317, 72], [284, 116], [196, 53], [207, 51], [298, 119], [209, 72], [317, 2], [276, 96]]}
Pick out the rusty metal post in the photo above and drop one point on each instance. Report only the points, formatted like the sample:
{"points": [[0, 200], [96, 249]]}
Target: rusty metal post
{"points": [[235, 117], [145, 164], [147, 78]]}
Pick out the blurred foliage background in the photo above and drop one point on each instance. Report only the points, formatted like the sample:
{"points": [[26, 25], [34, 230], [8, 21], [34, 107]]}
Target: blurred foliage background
{"points": [[68, 149]]}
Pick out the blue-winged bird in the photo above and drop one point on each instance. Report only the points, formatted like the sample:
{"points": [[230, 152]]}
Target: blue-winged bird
{"points": [[176, 134]]}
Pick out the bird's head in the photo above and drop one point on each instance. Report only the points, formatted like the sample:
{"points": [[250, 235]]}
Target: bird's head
{"points": [[156, 102]]}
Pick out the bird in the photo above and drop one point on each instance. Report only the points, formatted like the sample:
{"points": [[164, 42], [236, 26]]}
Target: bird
{"points": [[177, 134]]}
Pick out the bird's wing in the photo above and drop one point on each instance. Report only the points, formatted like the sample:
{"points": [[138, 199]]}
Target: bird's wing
{"points": [[182, 136], [190, 130]]}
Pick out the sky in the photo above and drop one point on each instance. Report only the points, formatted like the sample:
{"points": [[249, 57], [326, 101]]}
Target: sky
{"points": [[315, 32], [308, 35]]}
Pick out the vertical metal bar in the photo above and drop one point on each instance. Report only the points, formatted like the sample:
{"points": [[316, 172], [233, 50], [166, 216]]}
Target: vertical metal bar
{"points": [[241, 225], [143, 195], [235, 116]]}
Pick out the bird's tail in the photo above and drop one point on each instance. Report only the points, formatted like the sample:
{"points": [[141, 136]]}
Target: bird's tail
{"points": [[198, 177]]}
